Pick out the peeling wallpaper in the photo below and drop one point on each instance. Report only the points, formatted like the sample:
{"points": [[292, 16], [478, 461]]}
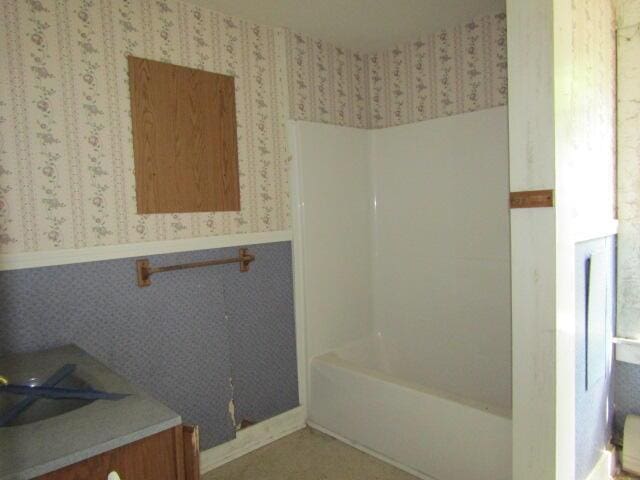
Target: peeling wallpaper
{"points": [[458, 70], [66, 159]]}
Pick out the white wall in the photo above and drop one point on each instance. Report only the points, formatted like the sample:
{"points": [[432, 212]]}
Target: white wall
{"points": [[441, 256], [584, 131], [333, 229], [531, 160], [560, 134], [628, 318]]}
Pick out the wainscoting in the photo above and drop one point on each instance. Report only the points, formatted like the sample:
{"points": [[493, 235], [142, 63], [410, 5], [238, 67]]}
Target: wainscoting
{"points": [[216, 345]]}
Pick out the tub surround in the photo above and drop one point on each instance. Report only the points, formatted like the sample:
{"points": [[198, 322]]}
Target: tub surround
{"points": [[37, 448], [426, 430], [407, 312], [441, 188], [378, 357]]}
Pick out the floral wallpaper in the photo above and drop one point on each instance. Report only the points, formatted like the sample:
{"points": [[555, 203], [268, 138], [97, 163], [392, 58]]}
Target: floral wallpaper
{"points": [[454, 71], [66, 165], [327, 83], [66, 157]]}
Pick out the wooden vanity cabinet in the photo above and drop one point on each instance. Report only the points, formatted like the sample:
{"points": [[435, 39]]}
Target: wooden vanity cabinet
{"points": [[169, 455]]}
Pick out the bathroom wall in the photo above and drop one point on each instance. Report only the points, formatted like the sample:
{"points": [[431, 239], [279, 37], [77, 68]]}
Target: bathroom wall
{"points": [[594, 397], [561, 137], [629, 168], [333, 192], [627, 375], [585, 163], [66, 182], [327, 83], [67, 161], [441, 269], [453, 71], [66, 166], [200, 340], [456, 70]]}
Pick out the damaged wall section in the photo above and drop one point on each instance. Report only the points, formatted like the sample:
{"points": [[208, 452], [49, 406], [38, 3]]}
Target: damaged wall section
{"points": [[195, 339]]}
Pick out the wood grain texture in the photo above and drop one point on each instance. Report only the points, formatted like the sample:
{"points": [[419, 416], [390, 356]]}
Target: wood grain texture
{"points": [[531, 199], [178, 452], [184, 139], [191, 447], [152, 458]]}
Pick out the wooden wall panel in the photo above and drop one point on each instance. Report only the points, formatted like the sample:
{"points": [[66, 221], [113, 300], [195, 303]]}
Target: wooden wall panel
{"points": [[184, 139]]}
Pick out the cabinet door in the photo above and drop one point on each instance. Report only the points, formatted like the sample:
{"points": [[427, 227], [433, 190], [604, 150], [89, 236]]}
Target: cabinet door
{"points": [[158, 457]]}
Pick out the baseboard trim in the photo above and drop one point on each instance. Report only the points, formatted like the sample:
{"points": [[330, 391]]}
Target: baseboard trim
{"points": [[373, 453], [17, 261], [252, 438]]}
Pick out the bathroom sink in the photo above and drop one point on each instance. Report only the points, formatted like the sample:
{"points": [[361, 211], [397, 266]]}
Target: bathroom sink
{"points": [[43, 408], [53, 434]]}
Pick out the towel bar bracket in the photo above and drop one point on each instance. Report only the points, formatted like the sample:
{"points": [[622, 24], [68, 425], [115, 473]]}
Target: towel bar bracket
{"points": [[145, 270]]}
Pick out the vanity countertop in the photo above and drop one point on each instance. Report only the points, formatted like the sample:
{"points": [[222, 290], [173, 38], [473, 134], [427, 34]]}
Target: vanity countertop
{"points": [[30, 450]]}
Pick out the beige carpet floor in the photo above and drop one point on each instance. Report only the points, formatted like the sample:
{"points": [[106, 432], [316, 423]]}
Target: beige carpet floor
{"points": [[307, 455]]}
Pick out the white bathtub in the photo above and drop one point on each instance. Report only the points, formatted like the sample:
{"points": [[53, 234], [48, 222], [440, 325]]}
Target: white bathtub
{"points": [[416, 421]]}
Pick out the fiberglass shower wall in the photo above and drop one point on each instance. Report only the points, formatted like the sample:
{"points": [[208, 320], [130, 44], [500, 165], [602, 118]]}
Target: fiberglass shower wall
{"points": [[441, 268], [405, 234]]}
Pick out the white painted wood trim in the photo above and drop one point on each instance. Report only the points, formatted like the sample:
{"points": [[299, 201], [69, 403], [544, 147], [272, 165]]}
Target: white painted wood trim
{"points": [[17, 261], [373, 453], [593, 230], [252, 438], [297, 222], [532, 166], [627, 350], [604, 468]]}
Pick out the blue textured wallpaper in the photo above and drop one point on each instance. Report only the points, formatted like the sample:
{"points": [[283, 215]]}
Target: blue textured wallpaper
{"points": [[594, 405], [194, 339]]}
